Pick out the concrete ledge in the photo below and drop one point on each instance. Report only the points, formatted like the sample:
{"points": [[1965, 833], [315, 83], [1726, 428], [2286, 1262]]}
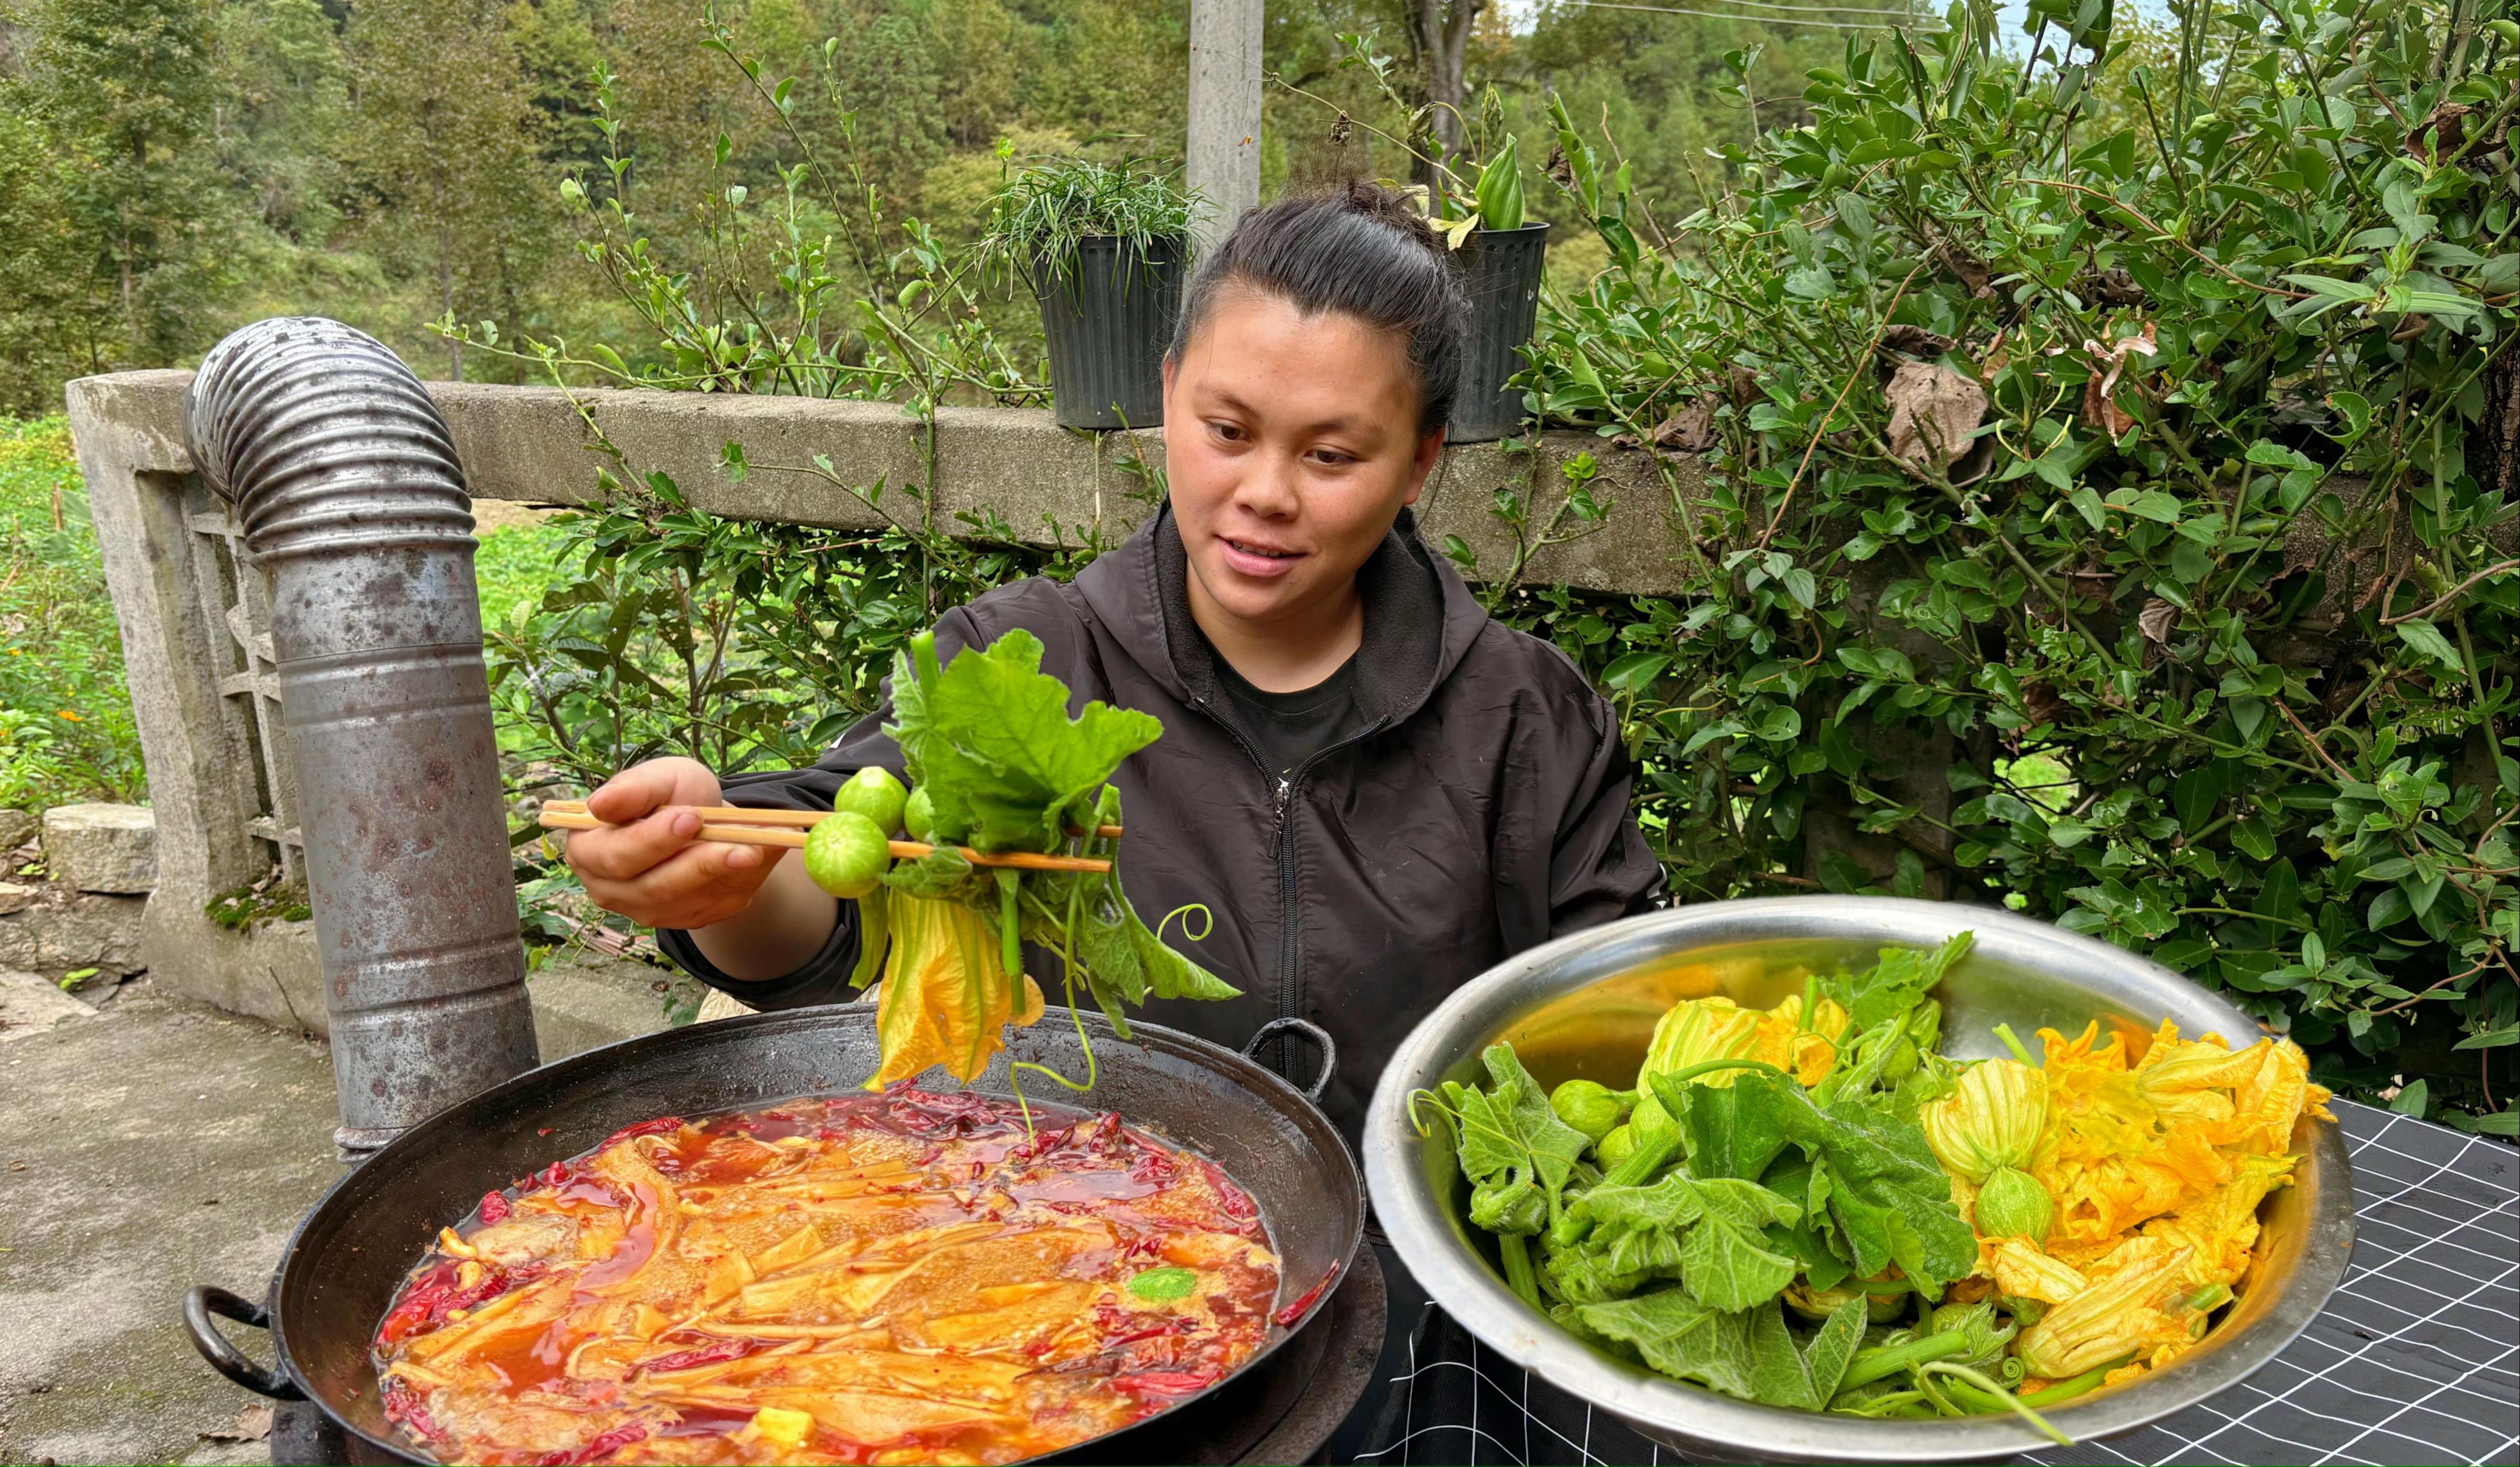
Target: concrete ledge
{"points": [[1045, 482], [271, 972]]}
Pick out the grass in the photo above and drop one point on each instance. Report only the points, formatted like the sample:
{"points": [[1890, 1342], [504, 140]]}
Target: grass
{"points": [[1039, 216], [514, 566], [66, 727]]}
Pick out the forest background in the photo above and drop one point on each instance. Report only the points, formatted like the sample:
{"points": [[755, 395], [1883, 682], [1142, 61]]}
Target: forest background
{"points": [[170, 169]]}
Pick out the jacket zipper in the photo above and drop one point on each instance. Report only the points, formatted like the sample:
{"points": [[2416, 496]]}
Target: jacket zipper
{"points": [[1291, 926], [1281, 841]]}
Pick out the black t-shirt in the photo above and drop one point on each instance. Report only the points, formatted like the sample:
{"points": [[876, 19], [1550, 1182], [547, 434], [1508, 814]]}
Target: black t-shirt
{"points": [[1291, 727]]}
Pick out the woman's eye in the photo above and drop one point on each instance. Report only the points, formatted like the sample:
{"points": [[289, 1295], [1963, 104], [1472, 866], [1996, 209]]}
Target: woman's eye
{"points": [[1332, 458], [1231, 433]]}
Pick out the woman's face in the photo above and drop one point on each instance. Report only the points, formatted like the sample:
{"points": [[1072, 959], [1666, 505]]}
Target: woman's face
{"points": [[1291, 443]]}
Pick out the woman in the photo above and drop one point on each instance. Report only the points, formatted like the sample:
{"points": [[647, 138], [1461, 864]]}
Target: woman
{"points": [[1376, 790]]}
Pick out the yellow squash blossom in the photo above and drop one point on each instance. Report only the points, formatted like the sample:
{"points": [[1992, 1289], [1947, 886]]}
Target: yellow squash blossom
{"points": [[1808, 1051], [1985, 1133], [1992, 1117], [2273, 1097], [1695, 1031], [2119, 1313], [2222, 1228], [2022, 1271], [1689, 1033], [947, 995]]}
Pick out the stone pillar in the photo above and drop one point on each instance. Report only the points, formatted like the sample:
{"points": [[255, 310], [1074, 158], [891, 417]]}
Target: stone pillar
{"points": [[1224, 157], [196, 658]]}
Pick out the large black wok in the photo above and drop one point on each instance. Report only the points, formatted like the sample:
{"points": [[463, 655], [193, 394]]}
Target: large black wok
{"points": [[354, 1248]]}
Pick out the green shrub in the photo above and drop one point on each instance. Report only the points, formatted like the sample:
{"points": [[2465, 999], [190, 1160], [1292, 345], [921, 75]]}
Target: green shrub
{"points": [[2152, 447]]}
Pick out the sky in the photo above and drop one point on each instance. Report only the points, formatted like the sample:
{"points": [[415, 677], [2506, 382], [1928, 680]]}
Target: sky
{"points": [[1523, 13]]}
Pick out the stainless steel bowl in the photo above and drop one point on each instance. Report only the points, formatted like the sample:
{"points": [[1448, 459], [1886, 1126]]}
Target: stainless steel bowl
{"points": [[1585, 1005]]}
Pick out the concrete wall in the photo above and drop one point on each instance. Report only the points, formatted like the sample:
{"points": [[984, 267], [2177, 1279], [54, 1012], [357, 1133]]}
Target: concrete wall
{"points": [[528, 445], [196, 631]]}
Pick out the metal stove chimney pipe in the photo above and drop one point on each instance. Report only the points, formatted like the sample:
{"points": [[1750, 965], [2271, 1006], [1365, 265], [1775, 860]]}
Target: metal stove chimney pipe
{"points": [[353, 506]]}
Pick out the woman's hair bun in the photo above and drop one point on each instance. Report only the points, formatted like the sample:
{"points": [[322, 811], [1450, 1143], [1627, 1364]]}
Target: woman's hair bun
{"points": [[1358, 248]]}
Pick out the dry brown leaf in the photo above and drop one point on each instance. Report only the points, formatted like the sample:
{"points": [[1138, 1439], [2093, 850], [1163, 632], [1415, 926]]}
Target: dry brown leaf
{"points": [[1691, 430], [2114, 285], [2100, 408], [253, 1424], [1745, 385], [2101, 411], [2441, 132], [2155, 620], [1933, 411], [1971, 270], [1916, 341]]}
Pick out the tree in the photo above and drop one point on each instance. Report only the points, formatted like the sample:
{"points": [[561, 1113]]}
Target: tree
{"points": [[122, 91], [448, 150], [279, 97], [52, 323], [883, 72], [1442, 38]]}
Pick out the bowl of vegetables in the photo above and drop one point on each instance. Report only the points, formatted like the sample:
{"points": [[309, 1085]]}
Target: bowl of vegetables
{"points": [[1861, 1179]]}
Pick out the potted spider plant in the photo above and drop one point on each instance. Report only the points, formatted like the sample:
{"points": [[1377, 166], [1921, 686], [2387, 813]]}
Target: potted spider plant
{"points": [[1501, 256], [1105, 248]]}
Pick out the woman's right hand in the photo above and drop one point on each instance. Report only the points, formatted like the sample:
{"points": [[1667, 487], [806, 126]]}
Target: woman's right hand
{"points": [[649, 863]]}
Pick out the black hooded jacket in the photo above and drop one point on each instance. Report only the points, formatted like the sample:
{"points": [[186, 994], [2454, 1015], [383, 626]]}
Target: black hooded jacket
{"points": [[1483, 810]]}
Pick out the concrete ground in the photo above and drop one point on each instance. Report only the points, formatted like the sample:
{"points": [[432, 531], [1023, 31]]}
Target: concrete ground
{"points": [[144, 1149], [145, 1146]]}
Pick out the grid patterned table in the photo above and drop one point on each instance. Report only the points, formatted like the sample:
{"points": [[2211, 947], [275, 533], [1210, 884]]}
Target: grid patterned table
{"points": [[2416, 1358]]}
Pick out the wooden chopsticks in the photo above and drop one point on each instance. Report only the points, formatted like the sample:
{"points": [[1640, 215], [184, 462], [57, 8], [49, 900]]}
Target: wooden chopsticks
{"points": [[738, 826]]}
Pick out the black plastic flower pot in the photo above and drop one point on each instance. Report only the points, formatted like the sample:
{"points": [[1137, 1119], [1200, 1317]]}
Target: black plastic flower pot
{"points": [[1107, 317], [1501, 272]]}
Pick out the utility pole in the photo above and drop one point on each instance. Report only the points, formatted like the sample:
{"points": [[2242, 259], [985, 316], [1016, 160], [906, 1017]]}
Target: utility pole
{"points": [[1224, 155]]}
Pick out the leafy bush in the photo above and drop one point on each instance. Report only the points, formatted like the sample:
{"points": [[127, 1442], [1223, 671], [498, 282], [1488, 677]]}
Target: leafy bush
{"points": [[2133, 470], [66, 729]]}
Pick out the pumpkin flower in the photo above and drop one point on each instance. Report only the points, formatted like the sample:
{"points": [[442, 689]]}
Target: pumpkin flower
{"points": [[1702, 1030], [2221, 1230], [2118, 1314], [2022, 1271], [1805, 1050], [1690, 1032], [1991, 1119], [2273, 1097], [947, 994]]}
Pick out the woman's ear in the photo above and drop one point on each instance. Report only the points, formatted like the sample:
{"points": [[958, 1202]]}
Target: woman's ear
{"points": [[1430, 452]]}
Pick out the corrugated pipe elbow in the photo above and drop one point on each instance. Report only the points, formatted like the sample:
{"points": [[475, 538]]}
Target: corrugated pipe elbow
{"points": [[346, 483]]}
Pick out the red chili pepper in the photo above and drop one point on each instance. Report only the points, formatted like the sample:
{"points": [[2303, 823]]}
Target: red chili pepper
{"points": [[643, 1128], [598, 1450], [494, 1209], [403, 1407], [1164, 1382], [1286, 1317], [556, 1175], [714, 1353]]}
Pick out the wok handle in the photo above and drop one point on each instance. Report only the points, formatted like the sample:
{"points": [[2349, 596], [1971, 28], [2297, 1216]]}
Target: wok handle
{"points": [[203, 1301], [1310, 1030]]}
